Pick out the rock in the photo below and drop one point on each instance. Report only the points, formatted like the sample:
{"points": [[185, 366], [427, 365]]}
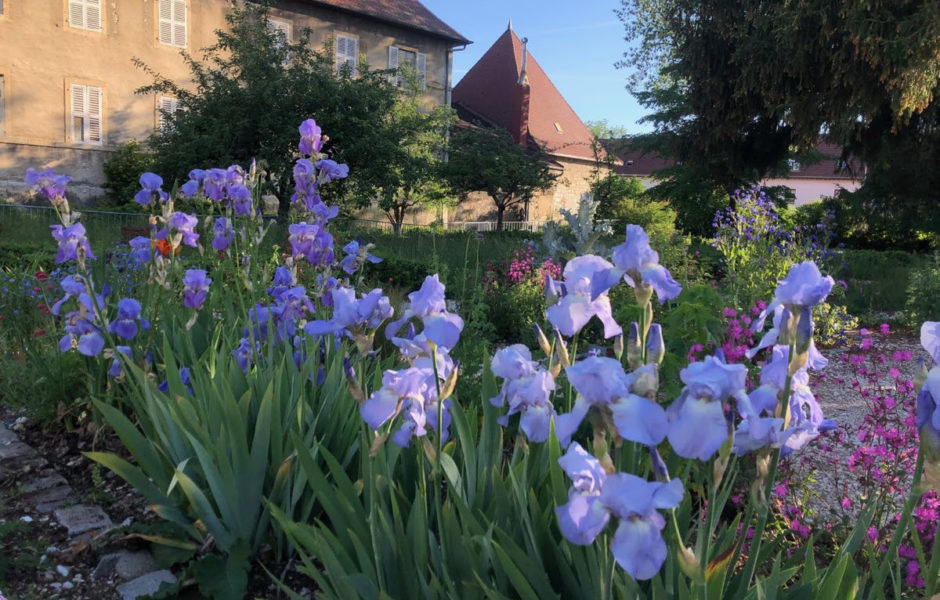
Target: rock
{"points": [[68, 585], [15, 450], [7, 436], [106, 566], [55, 495], [26, 519], [63, 570], [145, 585], [134, 564], [41, 484], [81, 518]]}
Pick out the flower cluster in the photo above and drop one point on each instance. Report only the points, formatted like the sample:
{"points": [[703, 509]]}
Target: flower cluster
{"points": [[418, 393]]}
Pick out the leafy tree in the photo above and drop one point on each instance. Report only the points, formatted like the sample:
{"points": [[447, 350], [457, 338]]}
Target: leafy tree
{"points": [[623, 199], [488, 159], [737, 87], [406, 170], [250, 94]]}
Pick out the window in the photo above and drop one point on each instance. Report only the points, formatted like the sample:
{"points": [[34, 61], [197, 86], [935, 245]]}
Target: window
{"points": [[166, 107], [277, 27], [399, 58], [86, 114], [85, 14], [793, 165], [347, 53], [173, 23]]}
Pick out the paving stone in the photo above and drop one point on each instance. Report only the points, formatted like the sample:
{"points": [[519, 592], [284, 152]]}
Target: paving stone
{"points": [[49, 500], [7, 436], [106, 565], [41, 484], [15, 450], [145, 585], [81, 518], [131, 565]]}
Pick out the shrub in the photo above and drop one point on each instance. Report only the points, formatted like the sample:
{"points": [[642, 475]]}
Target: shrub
{"points": [[121, 174], [923, 293]]}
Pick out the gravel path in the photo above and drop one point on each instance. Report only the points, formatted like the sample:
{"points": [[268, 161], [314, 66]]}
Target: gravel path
{"points": [[839, 390]]}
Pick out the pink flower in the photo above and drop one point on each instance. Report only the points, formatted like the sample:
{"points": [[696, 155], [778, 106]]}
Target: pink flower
{"points": [[885, 328]]}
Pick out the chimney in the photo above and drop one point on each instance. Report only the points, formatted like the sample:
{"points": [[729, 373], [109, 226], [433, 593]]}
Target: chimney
{"points": [[520, 122]]}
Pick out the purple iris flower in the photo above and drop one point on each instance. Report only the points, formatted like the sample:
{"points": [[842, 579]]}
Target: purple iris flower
{"points": [[311, 137], [602, 383], [48, 182], [638, 545], [928, 412], [802, 288], [224, 234], [185, 374], [196, 177], [81, 334], [116, 369], [312, 242], [283, 281], [240, 197], [356, 256], [215, 181], [638, 264], [128, 315], [428, 304], [152, 185], [71, 240], [411, 393], [367, 312], [697, 424], [140, 250], [527, 389], [577, 306], [74, 287], [330, 170], [305, 184], [183, 224], [245, 354], [195, 288]]}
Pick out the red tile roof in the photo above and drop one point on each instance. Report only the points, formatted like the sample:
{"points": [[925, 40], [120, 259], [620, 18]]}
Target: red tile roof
{"points": [[408, 13], [640, 164], [488, 87]]}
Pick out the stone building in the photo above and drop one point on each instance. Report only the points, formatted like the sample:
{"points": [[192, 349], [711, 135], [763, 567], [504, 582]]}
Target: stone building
{"points": [[67, 80], [507, 88]]}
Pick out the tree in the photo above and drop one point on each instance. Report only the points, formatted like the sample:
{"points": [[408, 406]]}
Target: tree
{"points": [[406, 171], [737, 87], [488, 159], [252, 92]]}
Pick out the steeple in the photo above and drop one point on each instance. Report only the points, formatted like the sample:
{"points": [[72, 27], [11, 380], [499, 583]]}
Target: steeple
{"points": [[509, 27]]}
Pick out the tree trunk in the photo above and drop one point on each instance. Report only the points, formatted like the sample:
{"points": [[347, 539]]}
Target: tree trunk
{"points": [[500, 208]]}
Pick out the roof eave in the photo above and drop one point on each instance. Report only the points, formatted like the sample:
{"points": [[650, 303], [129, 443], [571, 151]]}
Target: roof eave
{"points": [[457, 40]]}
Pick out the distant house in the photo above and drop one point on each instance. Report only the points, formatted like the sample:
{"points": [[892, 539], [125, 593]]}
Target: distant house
{"points": [[507, 88], [67, 81], [808, 182]]}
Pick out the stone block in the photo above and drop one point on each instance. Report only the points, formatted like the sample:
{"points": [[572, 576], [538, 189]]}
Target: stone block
{"points": [[49, 500], [41, 484], [15, 450], [7, 436], [145, 585], [81, 518]]}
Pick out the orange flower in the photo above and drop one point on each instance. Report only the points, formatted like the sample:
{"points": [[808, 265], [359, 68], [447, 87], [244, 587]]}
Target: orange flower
{"points": [[164, 247]]}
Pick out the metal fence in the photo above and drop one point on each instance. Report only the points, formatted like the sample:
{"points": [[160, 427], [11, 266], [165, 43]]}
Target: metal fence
{"points": [[28, 224]]}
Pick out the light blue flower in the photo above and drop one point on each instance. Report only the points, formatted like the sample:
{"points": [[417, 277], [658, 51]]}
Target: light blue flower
{"points": [[583, 517], [527, 389], [441, 327], [577, 305], [73, 245], [638, 264], [697, 422], [151, 185], [928, 412]]}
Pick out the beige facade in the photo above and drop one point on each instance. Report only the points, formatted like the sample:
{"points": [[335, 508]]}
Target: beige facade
{"points": [[67, 79]]}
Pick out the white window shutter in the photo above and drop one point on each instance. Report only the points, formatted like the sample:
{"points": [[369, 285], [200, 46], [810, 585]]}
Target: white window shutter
{"points": [[421, 62], [93, 15], [94, 114], [393, 63], [77, 14], [166, 22], [352, 45], [179, 23], [77, 122]]}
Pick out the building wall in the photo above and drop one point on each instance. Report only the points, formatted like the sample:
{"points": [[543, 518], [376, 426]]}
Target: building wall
{"points": [[811, 190], [41, 55], [573, 181]]}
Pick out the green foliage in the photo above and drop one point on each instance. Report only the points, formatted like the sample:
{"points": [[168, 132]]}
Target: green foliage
{"points": [[877, 281], [623, 199], [923, 293], [711, 74], [578, 234], [832, 321], [122, 176], [408, 163], [251, 93], [487, 159], [691, 196]]}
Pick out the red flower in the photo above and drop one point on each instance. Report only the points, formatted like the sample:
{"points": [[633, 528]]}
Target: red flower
{"points": [[41, 276], [164, 247], [38, 333]]}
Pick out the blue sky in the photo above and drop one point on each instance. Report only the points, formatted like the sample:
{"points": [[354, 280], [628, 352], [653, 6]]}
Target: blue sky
{"points": [[576, 43]]}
